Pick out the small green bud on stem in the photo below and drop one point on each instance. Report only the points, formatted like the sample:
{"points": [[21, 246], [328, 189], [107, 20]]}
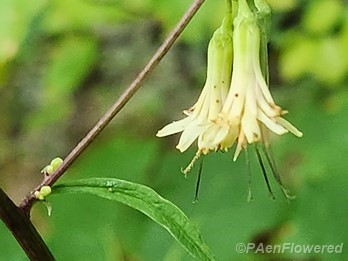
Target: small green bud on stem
{"points": [[44, 192], [56, 162]]}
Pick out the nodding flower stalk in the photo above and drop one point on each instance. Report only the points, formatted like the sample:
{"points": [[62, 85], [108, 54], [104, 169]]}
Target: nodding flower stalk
{"points": [[214, 93], [249, 107]]}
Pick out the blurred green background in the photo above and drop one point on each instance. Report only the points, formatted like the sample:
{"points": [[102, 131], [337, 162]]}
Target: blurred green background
{"points": [[62, 63]]}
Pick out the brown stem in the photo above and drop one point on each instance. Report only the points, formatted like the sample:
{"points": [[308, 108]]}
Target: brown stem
{"points": [[23, 230], [117, 106]]}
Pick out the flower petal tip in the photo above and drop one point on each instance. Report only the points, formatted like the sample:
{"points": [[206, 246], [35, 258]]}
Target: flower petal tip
{"points": [[181, 149], [161, 133], [299, 134]]}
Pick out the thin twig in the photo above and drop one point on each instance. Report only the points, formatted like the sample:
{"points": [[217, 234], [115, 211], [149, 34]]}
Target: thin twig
{"points": [[117, 106], [23, 230]]}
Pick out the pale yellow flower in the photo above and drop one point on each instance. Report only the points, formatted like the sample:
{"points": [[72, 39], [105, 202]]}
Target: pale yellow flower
{"points": [[214, 92], [249, 106], [245, 112]]}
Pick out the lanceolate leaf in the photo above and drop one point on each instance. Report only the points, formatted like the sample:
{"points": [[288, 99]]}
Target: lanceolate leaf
{"points": [[148, 202]]}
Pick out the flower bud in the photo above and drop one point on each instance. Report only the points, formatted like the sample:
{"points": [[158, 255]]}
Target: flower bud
{"points": [[45, 191], [56, 162]]}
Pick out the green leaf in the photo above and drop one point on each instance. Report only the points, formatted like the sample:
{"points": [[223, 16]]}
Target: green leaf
{"points": [[148, 202]]}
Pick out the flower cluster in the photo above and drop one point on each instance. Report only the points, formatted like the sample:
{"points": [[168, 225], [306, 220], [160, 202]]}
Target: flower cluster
{"points": [[235, 105]]}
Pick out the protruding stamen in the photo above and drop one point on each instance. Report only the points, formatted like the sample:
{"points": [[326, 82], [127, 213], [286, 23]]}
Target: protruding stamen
{"points": [[270, 160], [247, 161], [259, 158], [190, 166], [195, 200]]}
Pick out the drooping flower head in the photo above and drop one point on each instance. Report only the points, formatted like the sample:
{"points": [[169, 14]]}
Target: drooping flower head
{"points": [[234, 106], [214, 92], [249, 106]]}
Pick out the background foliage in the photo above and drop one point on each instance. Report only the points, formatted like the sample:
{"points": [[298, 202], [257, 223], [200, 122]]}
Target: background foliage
{"points": [[62, 63]]}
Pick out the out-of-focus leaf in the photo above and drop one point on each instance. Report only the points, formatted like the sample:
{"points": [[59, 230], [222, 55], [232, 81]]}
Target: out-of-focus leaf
{"points": [[322, 15], [284, 5], [203, 24], [328, 64], [65, 15], [321, 58], [148, 202], [72, 60], [315, 45], [16, 18], [296, 59]]}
